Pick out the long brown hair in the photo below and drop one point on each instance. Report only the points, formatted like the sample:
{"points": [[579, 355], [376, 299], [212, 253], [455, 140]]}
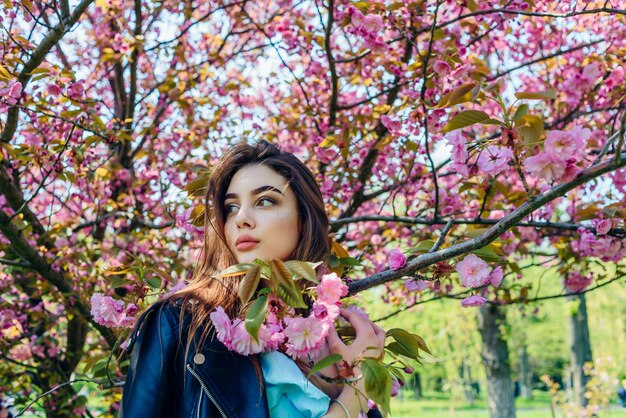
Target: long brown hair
{"points": [[207, 292]]}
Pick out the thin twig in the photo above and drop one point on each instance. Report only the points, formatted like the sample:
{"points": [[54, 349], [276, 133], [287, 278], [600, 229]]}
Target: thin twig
{"points": [[442, 237]]}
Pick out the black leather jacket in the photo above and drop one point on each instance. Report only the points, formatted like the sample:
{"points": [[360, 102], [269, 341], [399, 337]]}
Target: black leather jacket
{"points": [[211, 382], [207, 383]]}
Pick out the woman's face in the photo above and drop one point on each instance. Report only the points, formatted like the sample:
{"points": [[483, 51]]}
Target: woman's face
{"points": [[261, 215]]}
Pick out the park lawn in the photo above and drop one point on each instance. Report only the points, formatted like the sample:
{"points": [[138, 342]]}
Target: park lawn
{"points": [[435, 405]]}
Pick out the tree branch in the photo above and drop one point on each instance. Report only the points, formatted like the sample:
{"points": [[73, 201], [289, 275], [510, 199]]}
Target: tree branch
{"points": [[36, 59], [509, 221], [20, 245]]}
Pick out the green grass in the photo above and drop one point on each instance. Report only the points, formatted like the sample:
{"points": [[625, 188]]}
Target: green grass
{"points": [[437, 405]]}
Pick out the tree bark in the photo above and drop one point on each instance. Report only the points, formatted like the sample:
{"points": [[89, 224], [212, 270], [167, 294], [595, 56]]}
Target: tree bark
{"points": [[525, 375], [495, 355], [580, 349]]}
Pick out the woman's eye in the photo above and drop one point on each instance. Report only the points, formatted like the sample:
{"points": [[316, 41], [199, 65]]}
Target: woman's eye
{"points": [[266, 201], [230, 209]]}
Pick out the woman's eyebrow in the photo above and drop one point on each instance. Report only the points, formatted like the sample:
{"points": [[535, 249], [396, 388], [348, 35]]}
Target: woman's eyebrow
{"points": [[256, 191]]}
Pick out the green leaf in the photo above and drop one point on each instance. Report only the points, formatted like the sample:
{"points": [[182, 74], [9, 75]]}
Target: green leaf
{"points": [[334, 261], [323, 363], [5, 75], [303, 269], [530, 129], [377, 383], [464, 119], [489, 253], [154, 282], [521, 111], [422, 247], [410, 342], [400, 350], [248, 285], [285, 285], [196, 217], [459, 95], [350, 261], [255, 317], [549, 94], [116, 281], [162, 274], [236, 270]]}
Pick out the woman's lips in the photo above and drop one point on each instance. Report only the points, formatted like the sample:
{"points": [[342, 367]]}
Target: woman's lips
{"points": [[246, 245]]}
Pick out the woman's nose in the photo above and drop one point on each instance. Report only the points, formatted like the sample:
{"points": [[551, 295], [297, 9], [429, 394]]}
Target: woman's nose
{"points": [[244, 218]]}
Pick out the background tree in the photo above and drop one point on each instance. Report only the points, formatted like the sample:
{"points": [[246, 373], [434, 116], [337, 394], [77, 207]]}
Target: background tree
{"points": [[113, 108]]}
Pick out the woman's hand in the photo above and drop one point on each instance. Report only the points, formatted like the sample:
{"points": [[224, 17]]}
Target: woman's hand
{"points": [[369, 341]]}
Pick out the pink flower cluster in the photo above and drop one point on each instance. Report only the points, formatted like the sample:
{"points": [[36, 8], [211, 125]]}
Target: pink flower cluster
{"points": [[475, 272], [295, 335], [112, 313], [579, 82], [605, 247], [491, 160], [561, 151], [369, 27], [10, 92], [576, 282]]}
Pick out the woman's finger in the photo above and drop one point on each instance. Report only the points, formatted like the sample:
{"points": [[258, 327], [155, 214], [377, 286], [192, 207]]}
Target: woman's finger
{"points": [[358, 322], [334, 341]]}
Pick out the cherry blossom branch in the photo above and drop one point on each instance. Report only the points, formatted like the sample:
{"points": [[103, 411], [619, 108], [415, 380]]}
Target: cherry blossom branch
{"points": [[428, 221], [535, 14], [21, 246], [54, 389], [191, 25], [509, 221], [372, 153], [442, 237], [425, 60], [334, 79], [462, 295], [36, 59], [45, 176], [543, 58]]}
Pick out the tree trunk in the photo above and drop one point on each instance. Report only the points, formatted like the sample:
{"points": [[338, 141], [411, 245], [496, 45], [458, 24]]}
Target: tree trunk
{"points": [[495, 354], [525, 375], [416, 385], [580, 348]]}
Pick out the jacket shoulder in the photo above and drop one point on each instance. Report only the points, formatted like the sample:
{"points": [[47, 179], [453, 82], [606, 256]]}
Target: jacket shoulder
{"points": [[165, 312]]}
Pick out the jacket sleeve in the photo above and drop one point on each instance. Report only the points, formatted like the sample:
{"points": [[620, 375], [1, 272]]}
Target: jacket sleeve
{"points": [[150, 378]]}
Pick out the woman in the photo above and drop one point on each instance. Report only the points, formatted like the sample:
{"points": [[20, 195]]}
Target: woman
{"points": [[261, 203]]}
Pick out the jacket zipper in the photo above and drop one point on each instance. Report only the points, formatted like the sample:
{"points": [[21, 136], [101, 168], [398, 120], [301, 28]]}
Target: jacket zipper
{"points": [[208, 394], [199, 404]]}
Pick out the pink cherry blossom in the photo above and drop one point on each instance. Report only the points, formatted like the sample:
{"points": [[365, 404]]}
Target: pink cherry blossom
{"points": [[473, 270], [545, 166], [305, 335], [441, 67], [243, 343], [396, 259], [576, 282], [331, 288], [495, 278], [415, 285], [107, 311], [494, 159], [222, 324], [566, 144], [459, 147], [472, 301], [603, 226]]}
